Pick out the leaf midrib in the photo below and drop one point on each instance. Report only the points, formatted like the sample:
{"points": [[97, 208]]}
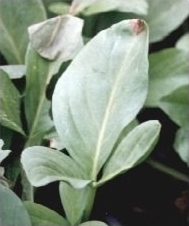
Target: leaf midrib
{"points": [[108, 110]]}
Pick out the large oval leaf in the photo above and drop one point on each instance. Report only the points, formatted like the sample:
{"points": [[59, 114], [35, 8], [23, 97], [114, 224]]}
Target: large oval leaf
{"points": [[12, 211], [45, 165], [101, 92], [137, 144]]}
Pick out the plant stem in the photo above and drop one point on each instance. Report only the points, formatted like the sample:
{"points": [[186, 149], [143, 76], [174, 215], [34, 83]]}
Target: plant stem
{"points": [[27, 188], [169, 171]]}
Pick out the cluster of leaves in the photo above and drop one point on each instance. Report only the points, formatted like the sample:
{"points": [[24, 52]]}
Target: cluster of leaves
{"points": [[96, 98]]}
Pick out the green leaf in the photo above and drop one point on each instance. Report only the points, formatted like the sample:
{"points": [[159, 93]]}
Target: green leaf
{"points": [[137, 144], [13, 212], [43, 216], [183, 42], [3, 153], [165, 16], [14, 38], [10, 104], [39, 70], [76, 202], [45, 165], [14, 71], [93, 223], [101, 92], [181, 144], [168, 71], [99, 6], [58, 37], [176, 105], [36, 105]]}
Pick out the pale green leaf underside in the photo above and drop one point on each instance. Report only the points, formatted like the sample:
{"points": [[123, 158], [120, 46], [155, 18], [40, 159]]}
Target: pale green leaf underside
{"points": [[165, 16], [133, 147], [13, 212], [176, 105], [15, 17], [100, 6], [101, 92], [14, 71], [58, 37], [43, 216], [45, 165], [181, 144], [168, 71], [10, 104]]}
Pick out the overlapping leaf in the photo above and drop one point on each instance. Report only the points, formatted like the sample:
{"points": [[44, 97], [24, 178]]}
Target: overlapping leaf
{"points": [[137, 144], [165, 16], [99, 6], [15, 17], [43, 216], [14, 71], [39, 70], [176, 105], [101, 92], [10, 104], [13, 212], [82, 199], [44, 165], [168, 71]]}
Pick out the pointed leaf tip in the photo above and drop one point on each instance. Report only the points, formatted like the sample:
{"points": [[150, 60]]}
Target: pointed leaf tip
{"points": [[138, 26]]}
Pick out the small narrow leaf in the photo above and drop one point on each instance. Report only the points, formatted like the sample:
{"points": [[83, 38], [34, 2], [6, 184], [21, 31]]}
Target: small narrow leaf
{"points": [[59, 8], [101, 92], [168, 71], [14, 38], [165, 16], [13, 212], [3, 153], [14, 71], [99, 6], [181, 144], [44, 165], [176, 105], [137, 144], [76, 202], [10, 104], [43, 216]]}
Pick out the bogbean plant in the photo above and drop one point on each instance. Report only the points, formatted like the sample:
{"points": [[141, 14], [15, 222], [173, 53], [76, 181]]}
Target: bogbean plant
{"points": [[102, 85]]}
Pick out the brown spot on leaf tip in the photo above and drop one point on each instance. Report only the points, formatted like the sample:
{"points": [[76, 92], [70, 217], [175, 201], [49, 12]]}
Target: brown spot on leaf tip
{"points": [[138, 26]]}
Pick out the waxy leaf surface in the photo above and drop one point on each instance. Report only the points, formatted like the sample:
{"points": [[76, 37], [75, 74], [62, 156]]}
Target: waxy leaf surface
{"points": [[45, 165], [101, 92], [137, 144]]}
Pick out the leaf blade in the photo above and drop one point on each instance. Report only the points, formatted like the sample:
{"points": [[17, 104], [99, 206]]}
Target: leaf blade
{"points": [[134, 146], [77, 94], [44, 165]]}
